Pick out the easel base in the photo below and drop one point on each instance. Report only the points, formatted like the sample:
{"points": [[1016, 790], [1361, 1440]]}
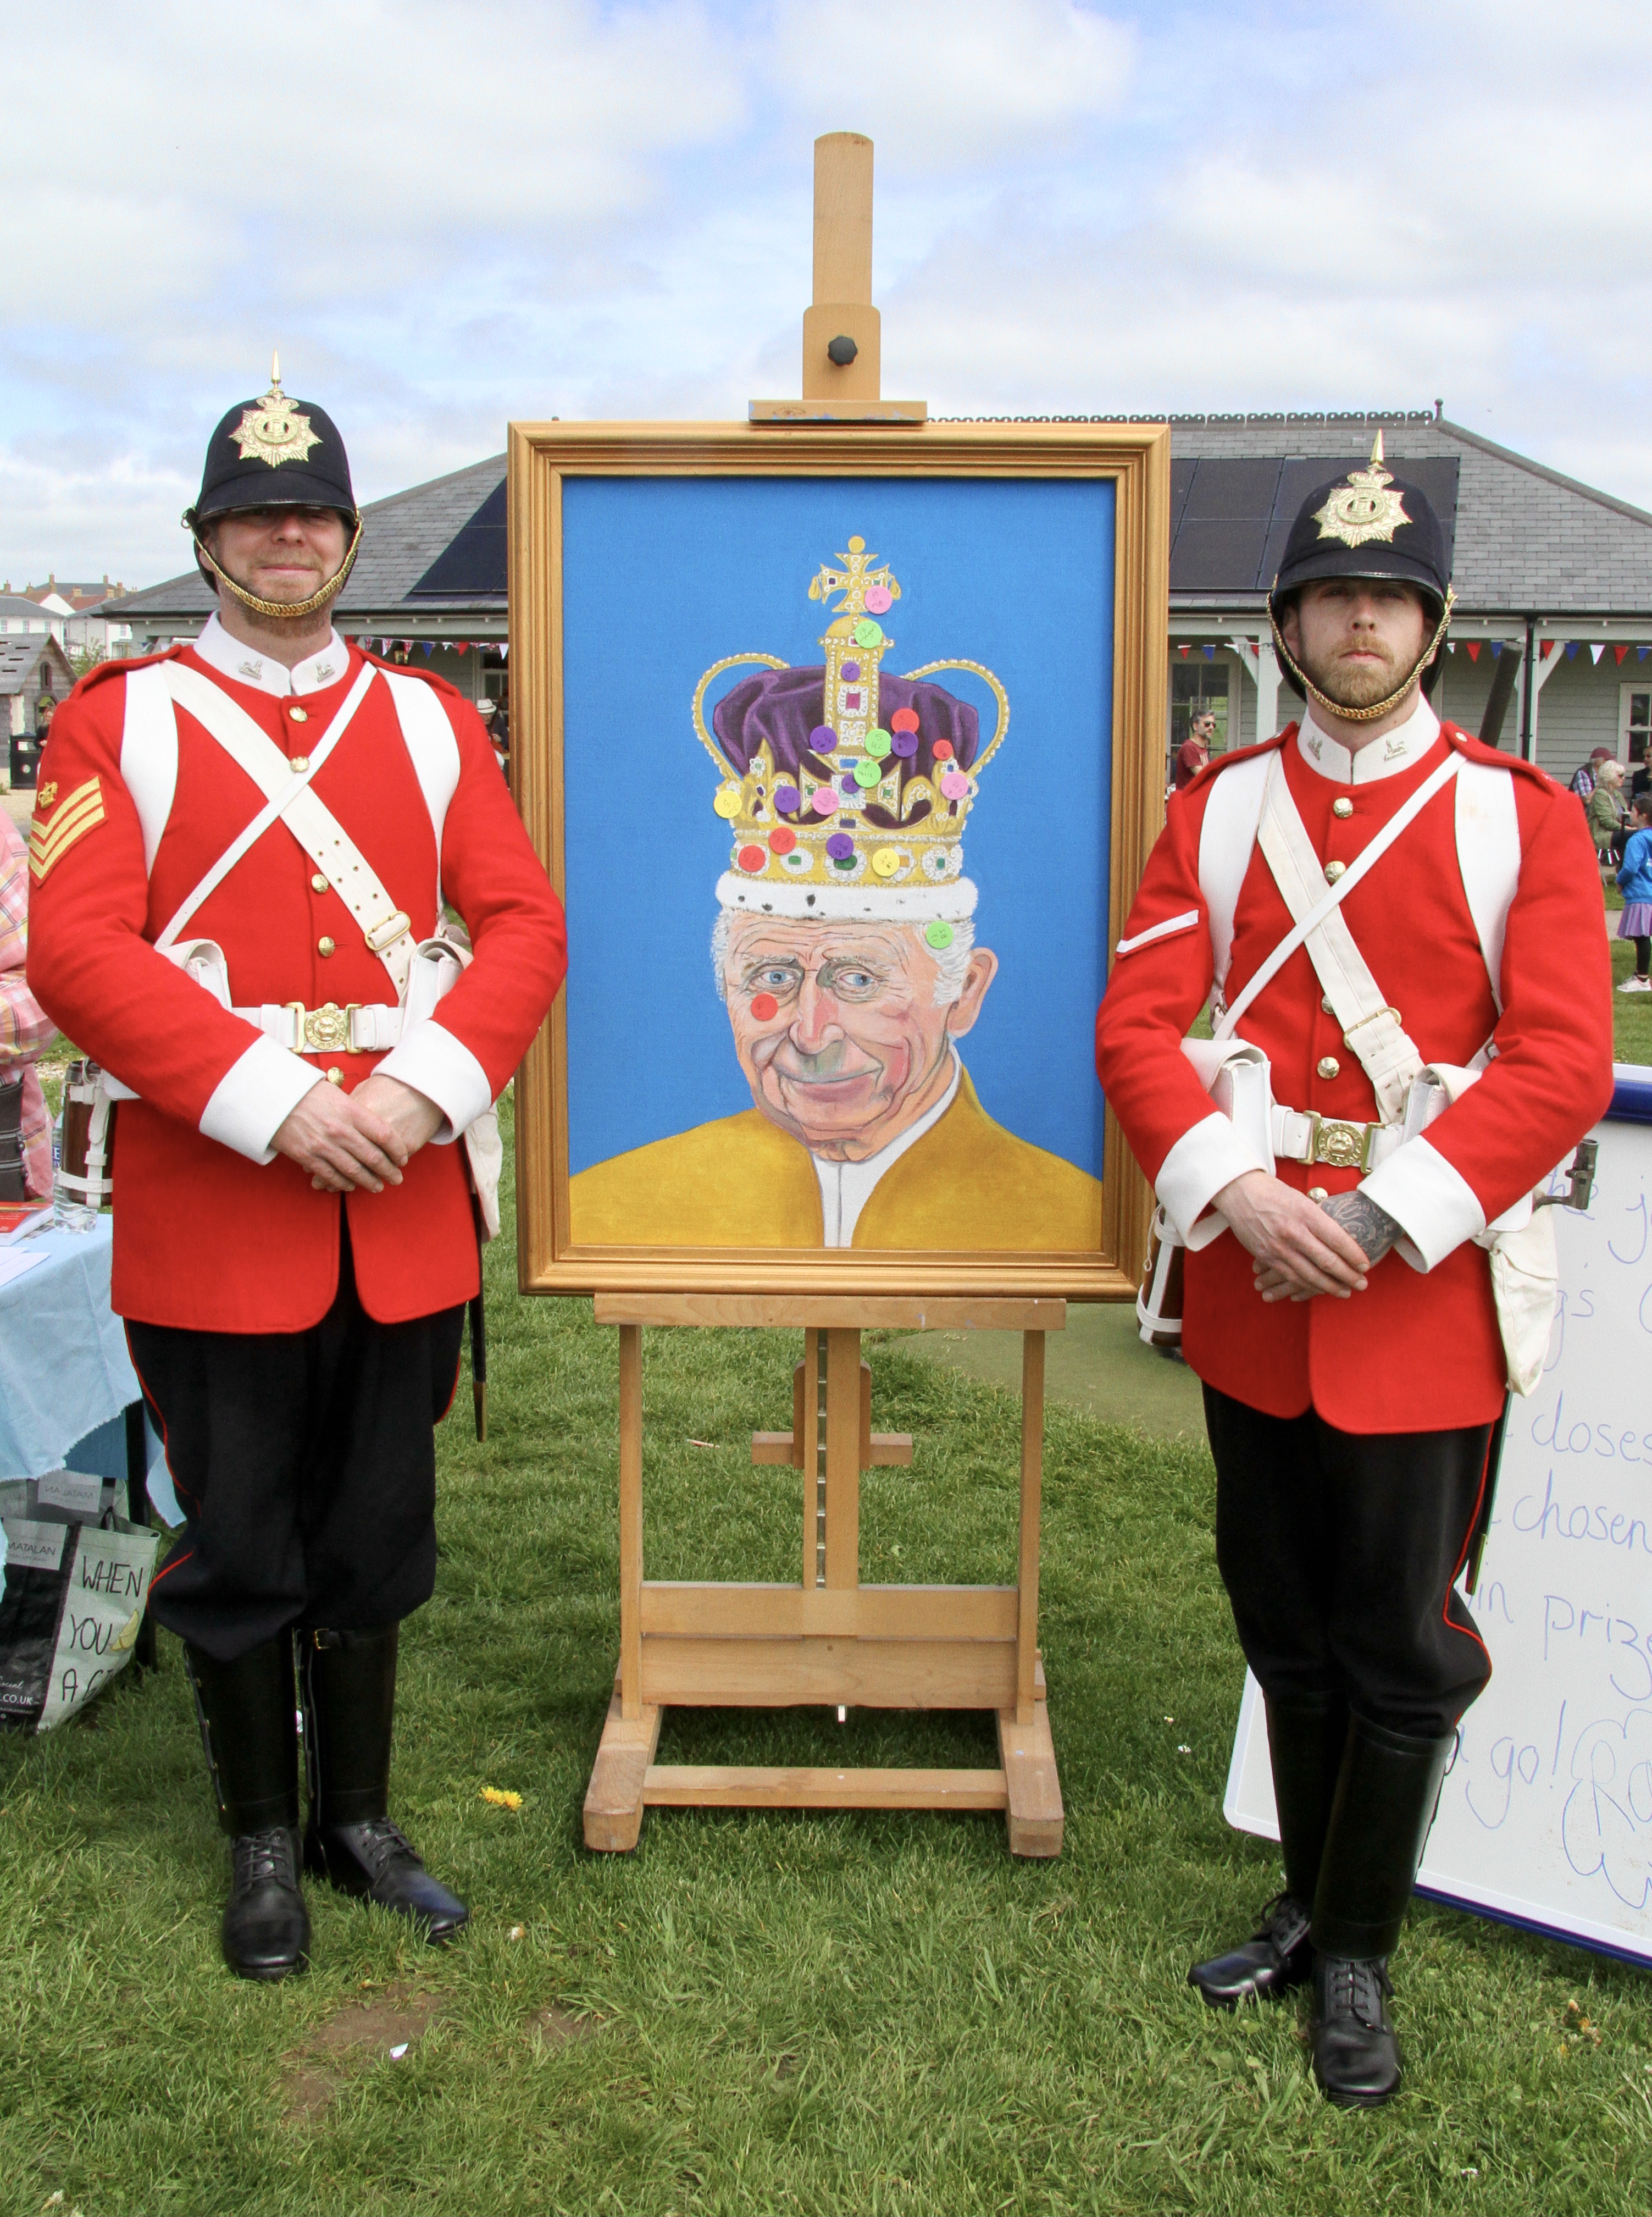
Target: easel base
{"points": [[626, 1780]]}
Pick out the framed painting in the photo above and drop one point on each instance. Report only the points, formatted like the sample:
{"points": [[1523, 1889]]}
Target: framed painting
{"points": [[844, 749]]}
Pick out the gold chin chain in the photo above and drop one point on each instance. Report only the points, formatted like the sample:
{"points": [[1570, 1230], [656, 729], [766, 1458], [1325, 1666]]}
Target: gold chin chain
{"points": [[283, 609], [1381, 707]]}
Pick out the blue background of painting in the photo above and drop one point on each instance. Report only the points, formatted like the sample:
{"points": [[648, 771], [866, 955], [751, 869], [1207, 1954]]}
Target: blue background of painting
{"points": [[664, 576]]}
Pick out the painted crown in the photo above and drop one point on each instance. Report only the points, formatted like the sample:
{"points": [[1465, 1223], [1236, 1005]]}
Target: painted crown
{"points": [[847, 780]]}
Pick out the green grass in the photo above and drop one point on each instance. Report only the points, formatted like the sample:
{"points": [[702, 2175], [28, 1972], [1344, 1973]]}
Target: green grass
{"points": [[756, 2012]]}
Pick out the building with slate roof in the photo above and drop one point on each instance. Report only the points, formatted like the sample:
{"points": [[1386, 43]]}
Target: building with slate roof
{"points": [[1551, 643], [31, 669]]}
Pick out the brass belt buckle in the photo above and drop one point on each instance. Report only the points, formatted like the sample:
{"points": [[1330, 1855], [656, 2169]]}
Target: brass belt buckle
{"points": [[325, 1030], [1340, 1144]]}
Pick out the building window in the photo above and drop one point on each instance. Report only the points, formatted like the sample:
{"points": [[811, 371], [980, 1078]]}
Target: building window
{"points": [[1635, 723], [1198, 687]]}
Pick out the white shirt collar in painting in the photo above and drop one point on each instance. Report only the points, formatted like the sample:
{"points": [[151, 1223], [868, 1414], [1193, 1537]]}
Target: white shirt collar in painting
{"points": [[1400, 749], [245, 664], [846, 1188]]}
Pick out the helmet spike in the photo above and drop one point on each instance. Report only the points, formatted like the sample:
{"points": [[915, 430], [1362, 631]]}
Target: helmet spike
{"points": [[1377, 450], [275, 376]]}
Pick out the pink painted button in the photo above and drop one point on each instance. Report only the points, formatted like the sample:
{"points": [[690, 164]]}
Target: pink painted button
{"points": [[954, 785], [824, 801], [879, 599]]}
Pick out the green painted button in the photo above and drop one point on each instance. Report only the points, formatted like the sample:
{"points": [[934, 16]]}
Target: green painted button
{"points": [[878, 743], [867, 772], [867, 634], [939, 935]]}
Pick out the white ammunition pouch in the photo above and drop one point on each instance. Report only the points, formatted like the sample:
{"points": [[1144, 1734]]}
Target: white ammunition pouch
{"points": [[420, 972]]}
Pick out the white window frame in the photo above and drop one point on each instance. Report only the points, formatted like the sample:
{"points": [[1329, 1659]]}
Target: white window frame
{"points": [[1630, 686]]}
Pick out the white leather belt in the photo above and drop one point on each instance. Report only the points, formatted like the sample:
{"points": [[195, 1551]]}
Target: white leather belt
{"points": [[1302, 1136], [359, 1028]]}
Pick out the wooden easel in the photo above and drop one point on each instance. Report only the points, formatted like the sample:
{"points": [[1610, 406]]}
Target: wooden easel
{"points": [[828, 1641]]}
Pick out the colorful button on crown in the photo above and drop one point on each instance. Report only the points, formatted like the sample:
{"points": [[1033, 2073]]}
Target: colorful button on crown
{"points": [[845, 775]]}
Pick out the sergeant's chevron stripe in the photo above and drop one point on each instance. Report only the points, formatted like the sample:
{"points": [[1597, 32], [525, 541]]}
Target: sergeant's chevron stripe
{"points": [[79, 813]]}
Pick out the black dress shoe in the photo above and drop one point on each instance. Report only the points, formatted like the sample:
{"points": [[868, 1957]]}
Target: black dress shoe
{"points": [[266, 1925], [374, 1861], [1276, 1959], [1356, 2056]]}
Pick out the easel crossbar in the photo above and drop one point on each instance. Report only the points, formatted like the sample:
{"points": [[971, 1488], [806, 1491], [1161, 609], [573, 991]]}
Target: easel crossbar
{"points": [[728, 1786]]}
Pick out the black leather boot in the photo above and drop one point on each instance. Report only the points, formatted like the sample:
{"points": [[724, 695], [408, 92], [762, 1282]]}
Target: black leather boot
{"points": [[1385, 1803], [1305, 1741], [348, 1682], [249, 1732]]}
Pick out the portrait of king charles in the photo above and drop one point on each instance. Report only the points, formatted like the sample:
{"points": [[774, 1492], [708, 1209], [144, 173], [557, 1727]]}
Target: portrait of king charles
{"points": [[844, 949]]}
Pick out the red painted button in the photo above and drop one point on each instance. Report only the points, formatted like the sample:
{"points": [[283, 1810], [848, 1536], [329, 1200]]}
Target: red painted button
{"points": [[752, 859], [904, 719], [781, 841], [942, 751], [765, 1007]]}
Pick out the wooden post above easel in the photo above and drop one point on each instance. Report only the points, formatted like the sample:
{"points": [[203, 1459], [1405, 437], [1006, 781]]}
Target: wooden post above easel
{"points": [[842, 339]]}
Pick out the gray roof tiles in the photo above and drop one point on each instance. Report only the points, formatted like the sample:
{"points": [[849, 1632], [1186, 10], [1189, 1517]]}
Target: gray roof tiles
{"points": [[1528, 539]]}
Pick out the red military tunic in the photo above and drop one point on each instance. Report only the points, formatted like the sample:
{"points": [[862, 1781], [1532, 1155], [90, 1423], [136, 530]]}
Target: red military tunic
{"points": [[1415, 1351], [213, 1232]]}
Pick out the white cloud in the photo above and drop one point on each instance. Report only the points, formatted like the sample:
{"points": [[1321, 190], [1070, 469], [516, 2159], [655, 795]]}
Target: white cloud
{"points": [[448, 218]]}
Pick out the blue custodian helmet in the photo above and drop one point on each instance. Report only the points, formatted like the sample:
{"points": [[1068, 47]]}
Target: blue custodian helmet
{"points": [[1369, 524], [274, 452]]}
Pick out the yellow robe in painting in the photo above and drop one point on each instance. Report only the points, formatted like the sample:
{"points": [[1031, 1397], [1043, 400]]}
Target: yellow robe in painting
{"points": [[741, 1181]]}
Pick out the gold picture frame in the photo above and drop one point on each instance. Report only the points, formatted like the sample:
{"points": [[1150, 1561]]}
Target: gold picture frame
{"points": [[543, 457]]}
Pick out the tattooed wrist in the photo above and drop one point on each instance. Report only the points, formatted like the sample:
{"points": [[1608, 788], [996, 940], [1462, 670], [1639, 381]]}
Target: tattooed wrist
{"points": [[1364, 1220]]}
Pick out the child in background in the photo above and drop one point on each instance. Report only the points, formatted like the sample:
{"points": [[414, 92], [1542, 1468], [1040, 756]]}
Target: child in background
{"points": [[1635, 881]]}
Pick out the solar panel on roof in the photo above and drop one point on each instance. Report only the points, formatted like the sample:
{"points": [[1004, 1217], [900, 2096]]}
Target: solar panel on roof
{"points": [[473, 564]]}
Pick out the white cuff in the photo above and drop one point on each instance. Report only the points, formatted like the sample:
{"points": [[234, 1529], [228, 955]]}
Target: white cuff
{"points": [[1203, 1160], [433, 1062], [1433, 1203], [255, 1097]]}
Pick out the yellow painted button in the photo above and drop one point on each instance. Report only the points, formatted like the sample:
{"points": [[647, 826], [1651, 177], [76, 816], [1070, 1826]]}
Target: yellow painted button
{"points": [[1342, 807], [334, 1076], [1328, 1066], [297, 762], [319, 885], [726, 801], [324, 947], [886, 862], [1318, 1192], [299, 715], [1333, 871]]}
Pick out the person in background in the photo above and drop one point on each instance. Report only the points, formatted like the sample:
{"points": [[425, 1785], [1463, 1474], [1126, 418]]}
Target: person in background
{"points": [[1195, 749], [1640, 778], [1635, 882], [1605, 810], [489, 711], [25, 1030], [1582, 782]]}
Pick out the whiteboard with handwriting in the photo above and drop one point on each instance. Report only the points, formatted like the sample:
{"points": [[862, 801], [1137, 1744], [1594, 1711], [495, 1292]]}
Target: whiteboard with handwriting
{"points": [[1546, 1815]]}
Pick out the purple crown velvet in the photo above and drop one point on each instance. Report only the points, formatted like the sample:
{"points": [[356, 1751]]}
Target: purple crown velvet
{"points": [[783, 707]]}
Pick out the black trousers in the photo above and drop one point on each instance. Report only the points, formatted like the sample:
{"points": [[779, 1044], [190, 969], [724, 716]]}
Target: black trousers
{"points": [[305, 1462], [1339, 1552]]}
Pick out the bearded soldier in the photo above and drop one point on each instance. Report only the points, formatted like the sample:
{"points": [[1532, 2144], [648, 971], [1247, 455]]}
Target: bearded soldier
{"points": [[242, 855], [1413, 1027]]}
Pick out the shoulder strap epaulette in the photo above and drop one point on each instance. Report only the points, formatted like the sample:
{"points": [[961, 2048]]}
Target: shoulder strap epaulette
{"points": [[1215, 767], [406, 669], [1494, 758], [119, 668]]}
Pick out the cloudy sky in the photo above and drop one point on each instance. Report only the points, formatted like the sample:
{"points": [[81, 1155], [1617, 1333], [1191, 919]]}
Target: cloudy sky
{"points": [[447, 217]]}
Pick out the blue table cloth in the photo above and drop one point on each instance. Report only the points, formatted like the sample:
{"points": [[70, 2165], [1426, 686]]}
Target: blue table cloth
{"points": [[66, 1377]]}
